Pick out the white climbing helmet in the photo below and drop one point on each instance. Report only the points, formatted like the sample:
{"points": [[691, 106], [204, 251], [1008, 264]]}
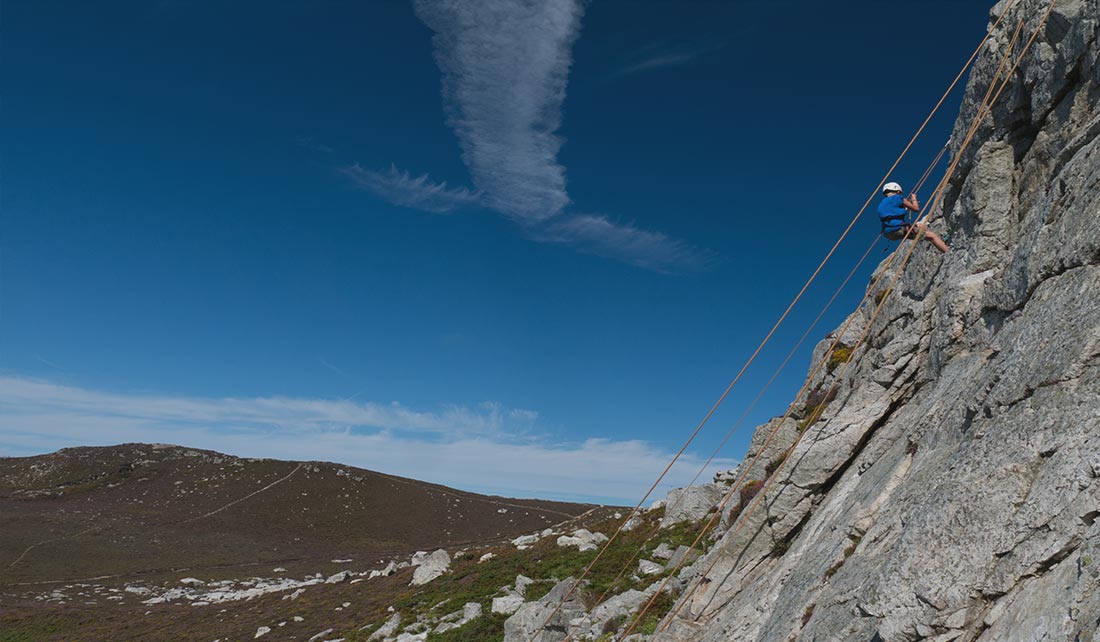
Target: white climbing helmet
{"points": [[891, 187]]}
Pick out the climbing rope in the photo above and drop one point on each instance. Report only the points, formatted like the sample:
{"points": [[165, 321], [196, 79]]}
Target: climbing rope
{"points": [[572, 589], [740, 420], [928, 172], [938, 194], [737, 424], [657, 527], [987, 104]]}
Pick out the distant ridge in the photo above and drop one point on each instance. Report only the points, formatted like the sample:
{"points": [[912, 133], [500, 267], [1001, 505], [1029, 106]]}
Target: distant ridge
{"points": [[148, 508]]}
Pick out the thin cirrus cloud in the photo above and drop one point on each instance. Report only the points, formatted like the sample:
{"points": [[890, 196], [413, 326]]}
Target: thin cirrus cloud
{"points": [[418, 192], [625, 242], [484, 447], [663, 55], [505, 67]]}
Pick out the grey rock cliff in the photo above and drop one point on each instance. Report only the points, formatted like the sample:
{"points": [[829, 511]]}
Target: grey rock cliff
{"points": [[951, 490]]}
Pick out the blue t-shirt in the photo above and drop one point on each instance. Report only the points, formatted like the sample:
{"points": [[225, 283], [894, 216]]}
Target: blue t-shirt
{"points": [[892, 213]]}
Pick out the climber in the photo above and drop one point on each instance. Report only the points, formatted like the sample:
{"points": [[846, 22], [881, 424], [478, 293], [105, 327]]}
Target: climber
{"points": [[893, 212]]}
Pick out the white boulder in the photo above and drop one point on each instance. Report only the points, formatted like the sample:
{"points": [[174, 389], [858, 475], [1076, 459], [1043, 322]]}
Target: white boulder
{"points": [[431, 567], [583, 539], [507, 605], [691, 503], [646, 567]]}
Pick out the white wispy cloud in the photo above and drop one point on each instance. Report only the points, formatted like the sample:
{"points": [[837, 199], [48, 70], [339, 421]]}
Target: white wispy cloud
{"points": [[505, 68], [485, 447], [505, 65], [664, 55], [625, 242], [419, 192]]}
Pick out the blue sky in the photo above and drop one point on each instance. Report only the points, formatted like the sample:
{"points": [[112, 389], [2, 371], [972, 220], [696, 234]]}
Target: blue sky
{"points": [[514, 249]]}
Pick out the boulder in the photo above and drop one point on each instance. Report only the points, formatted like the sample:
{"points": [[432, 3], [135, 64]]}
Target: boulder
{"points": [[691, 503], [683, 556], [431, 567], [470, 611], [507, 605], [583, 539], [523, 624], [387, 629], [646, 567], [725, 476], [663, 551], [614, 607], [525, 541]]}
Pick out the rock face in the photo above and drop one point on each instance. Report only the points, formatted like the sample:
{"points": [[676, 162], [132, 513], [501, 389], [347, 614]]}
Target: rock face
{"points": [[531, 616], [951, 489], [691, 503]]}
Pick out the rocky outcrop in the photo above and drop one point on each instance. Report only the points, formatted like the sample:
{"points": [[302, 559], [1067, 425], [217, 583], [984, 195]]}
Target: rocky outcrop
{"points": [[950, 489], [691, 503], [429, 567], [550, 616], [583, 539]]}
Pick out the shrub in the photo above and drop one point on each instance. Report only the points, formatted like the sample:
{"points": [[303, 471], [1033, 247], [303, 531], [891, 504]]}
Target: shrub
{"points": [[613, 626], [749, 490], [851, 548], [774, 465], [819, 396], [538, 589], [487, 628], [841, 354], [812, 414], [660, 608]]}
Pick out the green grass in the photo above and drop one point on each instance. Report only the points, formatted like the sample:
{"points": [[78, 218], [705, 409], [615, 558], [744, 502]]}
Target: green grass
{"points": [[32, 630], [487, 628], [545, 563], [657, 611], [682, 534]]}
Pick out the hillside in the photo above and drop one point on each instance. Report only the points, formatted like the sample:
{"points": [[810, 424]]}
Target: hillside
{"points": [[153, 542], [138, 509]]}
